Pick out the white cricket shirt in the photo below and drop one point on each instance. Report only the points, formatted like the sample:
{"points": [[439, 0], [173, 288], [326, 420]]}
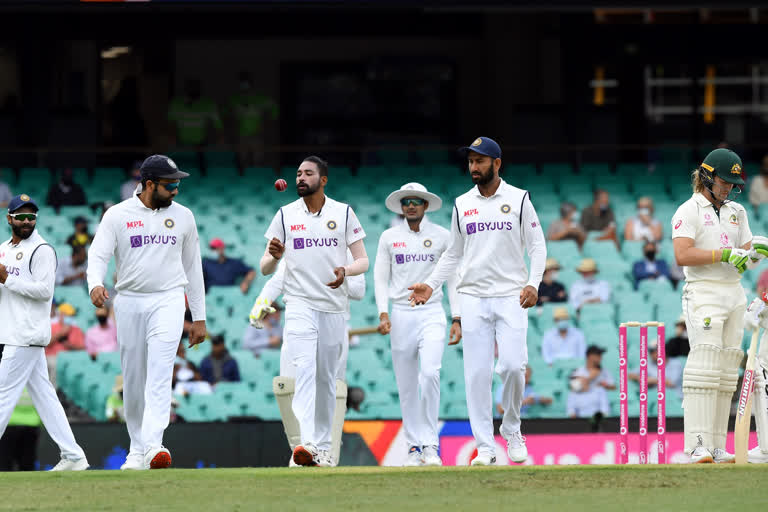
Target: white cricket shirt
{"points": [[405, 257], [26, 295], [696, 219], [315, 244], [155, 251], [488, 237]]}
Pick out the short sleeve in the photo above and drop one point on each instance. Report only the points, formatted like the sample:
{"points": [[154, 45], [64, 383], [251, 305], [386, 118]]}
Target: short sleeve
{"points": [[745, 233], [355, 230], [684, 222], [276, 228]]}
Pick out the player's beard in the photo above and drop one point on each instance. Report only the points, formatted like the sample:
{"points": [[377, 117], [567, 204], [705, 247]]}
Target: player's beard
{"points": [[22, 231], [485, 177], [307, 190], [160, 202]]}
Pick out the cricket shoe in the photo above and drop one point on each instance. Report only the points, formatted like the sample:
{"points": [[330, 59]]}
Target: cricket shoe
{"points": [[305, 455], [134, 461], [516, 449], [430, 456], [701, 455], [158, 458], [484, 459], [324, 459], [721, 456], [415, 457], [71, 465], [757, 456], [291, 463]]}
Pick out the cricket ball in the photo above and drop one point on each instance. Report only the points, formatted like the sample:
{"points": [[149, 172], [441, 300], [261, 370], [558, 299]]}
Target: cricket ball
{"points": [[281, 185]]}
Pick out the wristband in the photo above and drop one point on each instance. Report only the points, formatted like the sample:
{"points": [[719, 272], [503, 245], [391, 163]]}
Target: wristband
{"points": [[713, 255]]}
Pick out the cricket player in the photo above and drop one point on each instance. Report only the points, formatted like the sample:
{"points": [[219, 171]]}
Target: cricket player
{"points": [[492, 225], [756, 317], [407, 254], [157, 254], [313, 234], [712, 241], [27, 276], [285, 384]]}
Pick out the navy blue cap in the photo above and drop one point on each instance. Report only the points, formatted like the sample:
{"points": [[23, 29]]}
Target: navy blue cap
{"points": [[160, 166], [485, 146], [19, 201]]}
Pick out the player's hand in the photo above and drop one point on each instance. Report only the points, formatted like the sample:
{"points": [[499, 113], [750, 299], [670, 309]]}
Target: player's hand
{"points": [[760, 246], [3, 273], [738, 258], [420, 294], [276, 248], [385, 326], [197, 333], [340, 273], [528, 297], [261, 308], [99, 296], [454, 337]]}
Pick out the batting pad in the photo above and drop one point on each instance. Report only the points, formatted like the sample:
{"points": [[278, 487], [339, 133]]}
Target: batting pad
{"points": [[701, 381], [283, 387], [730, 361], [337, 428], [760, 405]]}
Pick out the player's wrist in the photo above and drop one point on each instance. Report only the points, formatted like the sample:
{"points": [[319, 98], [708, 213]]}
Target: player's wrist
{"points": [[456, 320]]}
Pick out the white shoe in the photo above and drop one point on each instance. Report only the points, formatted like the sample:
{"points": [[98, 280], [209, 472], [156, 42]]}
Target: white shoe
{"points": [[134, 461], [324, 459], [483, 459], [158, 458], [291, 463], [71, 465], [757, 456], [414, 457], [430, 456], [723, 457], [516, 449], [701, 455], [305, 455]]}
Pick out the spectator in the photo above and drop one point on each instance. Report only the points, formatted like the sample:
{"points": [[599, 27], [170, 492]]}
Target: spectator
{"points": [[103, 336], [599, 217], [115, 411], [563, 341], [186, 377], [588, 290], [71, 272], [550, 290], [758, 187], [5, 192], [762, 283], [643, 226], [195, 118], [649, 267], [250, 109], [589, 385], [66, 192], [678, 345], [566, 227], [65, 335], [271, 336], [530, 397], [219, 365], [81, 236], [128, 188], [672, 371], [225, 271]]}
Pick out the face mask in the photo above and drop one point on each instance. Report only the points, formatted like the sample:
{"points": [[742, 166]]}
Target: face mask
{"points": [[644, 211], [589, 279], [563, 325], [553, 275], [651, 255], [66, 320], [603, 208], [102, 320]]}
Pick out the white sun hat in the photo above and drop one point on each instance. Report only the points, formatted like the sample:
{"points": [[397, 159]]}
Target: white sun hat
{"points": [[412, 190]]}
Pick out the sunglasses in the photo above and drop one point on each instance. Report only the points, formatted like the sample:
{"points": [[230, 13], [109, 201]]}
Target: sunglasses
{"points": [[24, 216], [415, 201], [170, 187]]}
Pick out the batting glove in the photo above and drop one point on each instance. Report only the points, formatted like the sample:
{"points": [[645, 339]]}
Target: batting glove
{"points": [[752, 315], [261, 308], [736, 257]]}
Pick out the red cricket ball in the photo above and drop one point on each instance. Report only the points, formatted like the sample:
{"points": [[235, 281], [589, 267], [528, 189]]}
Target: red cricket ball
{"points": [[281, 185]]}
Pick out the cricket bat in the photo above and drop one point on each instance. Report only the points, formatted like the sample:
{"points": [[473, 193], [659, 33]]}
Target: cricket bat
{"points": [[744, 411]]}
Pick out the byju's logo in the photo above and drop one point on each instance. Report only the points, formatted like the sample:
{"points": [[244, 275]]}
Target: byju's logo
{"points": [[136, 241], [476, 227], [298, 243], [471, 228], [306, 243], [140, 241], [399, 259], [412, 258]]}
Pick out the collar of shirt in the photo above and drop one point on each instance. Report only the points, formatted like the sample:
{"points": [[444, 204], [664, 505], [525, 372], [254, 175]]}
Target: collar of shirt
{"points": [[424, 225], [319, 212], [141, 206], [25, 241], [499, 191]]}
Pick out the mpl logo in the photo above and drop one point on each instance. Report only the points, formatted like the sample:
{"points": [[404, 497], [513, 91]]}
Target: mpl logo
{"points": [[134, 224], [298, 227], [469, 213], [398, 245]]}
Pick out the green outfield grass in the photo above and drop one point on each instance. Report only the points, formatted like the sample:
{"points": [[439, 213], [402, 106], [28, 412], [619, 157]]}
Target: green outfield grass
{"points": [[559, 488]]}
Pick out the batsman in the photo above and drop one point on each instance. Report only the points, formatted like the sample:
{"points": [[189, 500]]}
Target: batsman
{"points": [[713, 242], [756, 317]]}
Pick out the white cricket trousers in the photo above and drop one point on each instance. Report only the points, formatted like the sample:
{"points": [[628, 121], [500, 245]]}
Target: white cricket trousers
{"points": [[418, 339], [486, 321], [314, 341], [27, 366], [149, 327]]}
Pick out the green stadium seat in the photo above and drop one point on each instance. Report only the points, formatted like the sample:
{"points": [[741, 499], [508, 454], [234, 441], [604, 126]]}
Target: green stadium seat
{"points": [[215, 159], [109, 361], [565, 251]]}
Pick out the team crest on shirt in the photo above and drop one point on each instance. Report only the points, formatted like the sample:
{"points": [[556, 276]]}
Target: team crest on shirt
{"points": [[734, 220], [19, 255], [505, 208], [708, 324], [169, 223], [331, 225], [427, 243]]}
